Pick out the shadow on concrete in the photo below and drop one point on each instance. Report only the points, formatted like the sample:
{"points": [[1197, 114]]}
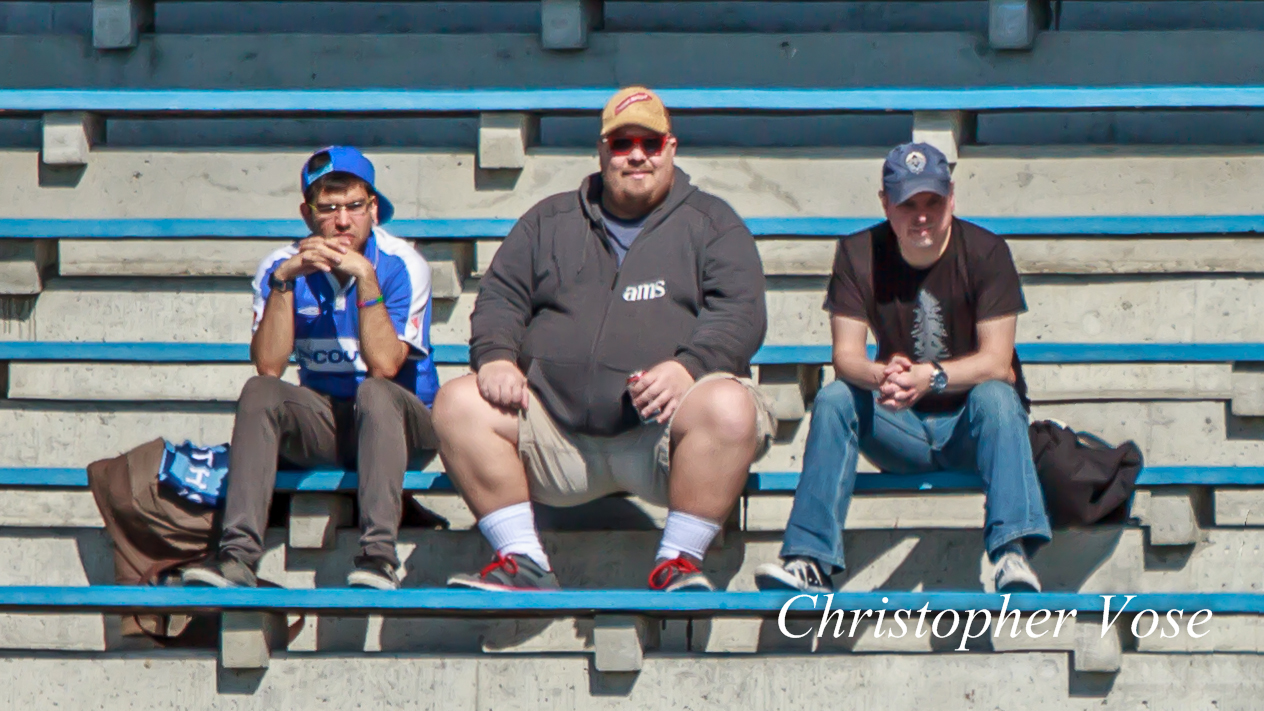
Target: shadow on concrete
{"points": [[610, 683], [241, 682], [496, 180], [1090, 684], [60, 176]]}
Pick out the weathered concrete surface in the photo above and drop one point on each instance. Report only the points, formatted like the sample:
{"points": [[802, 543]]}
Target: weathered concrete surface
{"points": [[449, 261], [1061, 309], [23, 263], [48, 509], [1128, 381], [727, 59], [949, 681], [223, 382], [145, 257], [1238, 507], [40, 434], [991, 180], [34, 433], [781, 257], [86, 382]]}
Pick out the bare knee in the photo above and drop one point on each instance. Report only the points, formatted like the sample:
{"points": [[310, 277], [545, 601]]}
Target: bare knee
{"points": [[722, 409], [460, 411]]}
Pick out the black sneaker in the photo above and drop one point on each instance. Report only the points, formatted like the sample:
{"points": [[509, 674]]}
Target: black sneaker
{"points": [[796, 574], [508, 572], [223, 570], [679, 575], [373, 572]]}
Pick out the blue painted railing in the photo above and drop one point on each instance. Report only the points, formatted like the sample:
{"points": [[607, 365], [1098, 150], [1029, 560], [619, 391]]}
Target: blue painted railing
{"points": [[352, 101], [330, 480], [587, 602], [439, 229], [457, 354]]}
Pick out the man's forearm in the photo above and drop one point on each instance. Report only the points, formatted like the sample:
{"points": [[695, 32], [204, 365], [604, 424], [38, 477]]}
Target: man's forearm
{"points": [[857, 369], [380, 347], [273, 342], [968, 371]]}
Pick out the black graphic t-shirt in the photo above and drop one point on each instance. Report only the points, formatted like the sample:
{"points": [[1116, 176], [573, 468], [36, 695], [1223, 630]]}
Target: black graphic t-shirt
{"points": [[927, 314]]}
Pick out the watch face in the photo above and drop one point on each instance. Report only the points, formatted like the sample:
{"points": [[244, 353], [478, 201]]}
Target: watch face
{"points": [[939, 380]]}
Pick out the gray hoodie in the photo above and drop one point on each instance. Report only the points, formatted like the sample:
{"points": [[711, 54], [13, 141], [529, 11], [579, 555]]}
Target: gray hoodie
{"points": [[556, 302]]}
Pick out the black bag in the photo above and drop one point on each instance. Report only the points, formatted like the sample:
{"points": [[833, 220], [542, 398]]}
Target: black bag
{"points": [[1085, 480]]}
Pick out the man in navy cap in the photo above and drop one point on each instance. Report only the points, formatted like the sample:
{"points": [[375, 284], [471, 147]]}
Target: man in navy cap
{"points": [[351, 302], [946, 391]]}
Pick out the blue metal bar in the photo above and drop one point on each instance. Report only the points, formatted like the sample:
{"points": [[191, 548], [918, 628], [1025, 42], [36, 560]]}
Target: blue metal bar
{"points": [[330, 480], [592, 99], [436, 229], [583, 602], [452, 353]]}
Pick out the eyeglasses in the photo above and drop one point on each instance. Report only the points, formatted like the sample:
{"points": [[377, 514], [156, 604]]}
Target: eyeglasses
{"points": [[329, 209], [650, 145]]}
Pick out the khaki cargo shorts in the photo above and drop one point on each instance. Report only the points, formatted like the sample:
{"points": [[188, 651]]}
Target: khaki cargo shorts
{"points": [[568, 469]]}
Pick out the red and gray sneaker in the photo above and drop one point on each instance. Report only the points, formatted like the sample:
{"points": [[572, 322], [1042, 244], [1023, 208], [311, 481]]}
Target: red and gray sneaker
{"points": [[508, 572], [679, 575]]}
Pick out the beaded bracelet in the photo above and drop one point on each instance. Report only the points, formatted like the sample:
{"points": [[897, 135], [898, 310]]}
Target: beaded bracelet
{"points": [[365, 304]]}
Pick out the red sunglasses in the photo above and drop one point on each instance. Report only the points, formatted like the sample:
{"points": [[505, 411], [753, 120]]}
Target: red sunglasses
{"points": [[650, 145]]}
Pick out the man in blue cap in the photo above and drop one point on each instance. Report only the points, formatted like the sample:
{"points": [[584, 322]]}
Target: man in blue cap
{"points": [[351, 302], [942, 297]]}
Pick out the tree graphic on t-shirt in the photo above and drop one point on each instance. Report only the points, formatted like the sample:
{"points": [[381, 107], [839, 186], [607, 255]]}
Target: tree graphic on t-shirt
{"points": [[928, 329]]}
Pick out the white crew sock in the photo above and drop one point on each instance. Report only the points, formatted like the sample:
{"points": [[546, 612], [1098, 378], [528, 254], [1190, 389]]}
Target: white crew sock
{"points": [[512, 530], [687, 534]]}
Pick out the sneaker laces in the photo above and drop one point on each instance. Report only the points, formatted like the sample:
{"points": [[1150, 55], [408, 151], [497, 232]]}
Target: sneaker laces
{"points": [[662, 574], [508, 564], [806, 570]]}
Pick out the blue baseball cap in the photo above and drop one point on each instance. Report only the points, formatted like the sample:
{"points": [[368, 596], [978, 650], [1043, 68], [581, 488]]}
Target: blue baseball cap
{"points": [[914, 168], [345, 159]]}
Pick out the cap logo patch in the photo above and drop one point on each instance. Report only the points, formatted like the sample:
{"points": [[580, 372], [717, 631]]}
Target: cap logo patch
{"points": [[915, 161], [635, 98]]}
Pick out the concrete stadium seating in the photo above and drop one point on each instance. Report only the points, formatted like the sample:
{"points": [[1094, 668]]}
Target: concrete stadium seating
{"points": [[146, 167]]}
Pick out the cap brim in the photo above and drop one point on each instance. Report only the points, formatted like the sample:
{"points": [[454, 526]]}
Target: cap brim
{"points": [[617, 124], [908, 188]]}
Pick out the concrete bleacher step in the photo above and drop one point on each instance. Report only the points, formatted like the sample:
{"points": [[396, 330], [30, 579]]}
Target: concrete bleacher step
{"points": [[991, 180], [71, 434], [1098, 310], [191, 680], [781, 256], [1100, 560], [87, 382]]}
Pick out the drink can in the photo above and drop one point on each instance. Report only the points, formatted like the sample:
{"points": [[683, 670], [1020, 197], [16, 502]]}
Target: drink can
{"points": [[632, 378]]}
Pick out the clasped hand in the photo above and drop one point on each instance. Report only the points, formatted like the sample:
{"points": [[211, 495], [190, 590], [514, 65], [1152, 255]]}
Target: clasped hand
{"points": [[324, 254], [903, 383]]}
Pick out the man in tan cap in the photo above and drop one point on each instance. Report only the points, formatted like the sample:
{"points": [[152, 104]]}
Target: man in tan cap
{"points": [[611, 343]]}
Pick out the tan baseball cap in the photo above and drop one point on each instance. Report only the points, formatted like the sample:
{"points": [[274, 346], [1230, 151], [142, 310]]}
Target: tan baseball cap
{"points": [[635, 106]]}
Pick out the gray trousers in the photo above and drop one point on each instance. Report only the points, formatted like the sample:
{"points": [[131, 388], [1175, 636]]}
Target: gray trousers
{"points": [[377, 435]]}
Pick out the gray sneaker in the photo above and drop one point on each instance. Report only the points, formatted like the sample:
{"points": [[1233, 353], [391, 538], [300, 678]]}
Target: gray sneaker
{"points": [[796, 574], [223, 570], [373, 572], [1014, 574], [508, 572]]}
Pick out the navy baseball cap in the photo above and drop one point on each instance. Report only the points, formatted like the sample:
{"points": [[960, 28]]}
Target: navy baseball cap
{"points": [[345, 159], [914, 168]]}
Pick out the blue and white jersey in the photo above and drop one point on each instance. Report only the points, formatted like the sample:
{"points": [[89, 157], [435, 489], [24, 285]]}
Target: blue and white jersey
{"points": [[327, 320]]}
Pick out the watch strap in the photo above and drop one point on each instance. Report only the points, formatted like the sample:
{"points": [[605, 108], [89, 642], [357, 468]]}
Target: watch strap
{"points": [[279, 285]]}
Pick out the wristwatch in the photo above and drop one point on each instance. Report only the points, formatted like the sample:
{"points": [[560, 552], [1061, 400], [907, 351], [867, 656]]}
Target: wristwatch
{"points": [[939, 380], [278, 285]]}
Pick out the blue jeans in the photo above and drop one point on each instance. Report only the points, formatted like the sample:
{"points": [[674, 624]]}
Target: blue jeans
{"points": [[988, 434]]}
